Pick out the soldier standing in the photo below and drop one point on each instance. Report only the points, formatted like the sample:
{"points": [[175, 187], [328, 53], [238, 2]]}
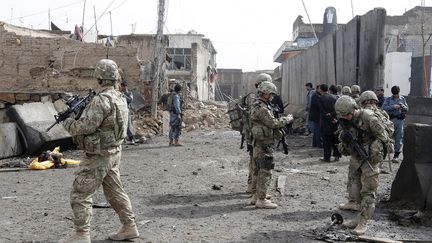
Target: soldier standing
{"points": [[364, 127], [253, 171], [100, 132], [265, 129]]}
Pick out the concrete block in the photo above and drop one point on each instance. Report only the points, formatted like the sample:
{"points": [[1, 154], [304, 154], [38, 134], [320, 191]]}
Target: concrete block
{"points": [[413, 181], [34, 119], [3, 116], [10, 140]]}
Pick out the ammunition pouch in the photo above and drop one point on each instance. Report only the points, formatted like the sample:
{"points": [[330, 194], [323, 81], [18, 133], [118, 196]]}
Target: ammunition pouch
{"points": [[266, 162]]}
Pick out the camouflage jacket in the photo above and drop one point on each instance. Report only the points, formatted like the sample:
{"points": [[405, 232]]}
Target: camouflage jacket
{"points": [[102, 126], [366, 128], [264, 126]]}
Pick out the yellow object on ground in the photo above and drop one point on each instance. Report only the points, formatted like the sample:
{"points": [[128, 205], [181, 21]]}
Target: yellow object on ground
{"points": [[49, 162]]}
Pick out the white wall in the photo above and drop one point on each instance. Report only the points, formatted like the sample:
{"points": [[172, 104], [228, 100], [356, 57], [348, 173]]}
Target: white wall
{"points": [[397, 71]]}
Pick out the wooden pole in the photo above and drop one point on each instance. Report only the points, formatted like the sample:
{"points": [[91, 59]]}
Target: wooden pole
{"points": [[97, 31], [82, 25], [49, 19], [158, 58]]}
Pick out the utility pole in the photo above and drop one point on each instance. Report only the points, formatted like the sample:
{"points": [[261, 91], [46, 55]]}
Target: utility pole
{"points": [[82, 25], [49, 19], [97, 31], [158, 58]]}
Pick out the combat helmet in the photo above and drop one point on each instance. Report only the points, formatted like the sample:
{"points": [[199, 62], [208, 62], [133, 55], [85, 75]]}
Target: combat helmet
{"points": [[346, 90], [345, 105], [107, 70], [267, 87], [355, 89], [261, 78], [368, 95]]}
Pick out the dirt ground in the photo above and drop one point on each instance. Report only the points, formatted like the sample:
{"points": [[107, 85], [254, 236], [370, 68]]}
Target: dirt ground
{"points": [[173, 195]]}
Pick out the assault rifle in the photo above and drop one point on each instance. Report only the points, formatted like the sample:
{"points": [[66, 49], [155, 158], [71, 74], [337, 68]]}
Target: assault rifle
{"points": [[354, 145], [76, 105], [283, 141]]}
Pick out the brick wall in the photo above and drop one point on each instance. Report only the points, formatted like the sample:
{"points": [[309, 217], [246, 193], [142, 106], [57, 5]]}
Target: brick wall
{"points": [[56, 63]]}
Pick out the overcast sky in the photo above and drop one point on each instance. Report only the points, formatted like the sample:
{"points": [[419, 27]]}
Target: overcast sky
{"points": [[245, 33]]}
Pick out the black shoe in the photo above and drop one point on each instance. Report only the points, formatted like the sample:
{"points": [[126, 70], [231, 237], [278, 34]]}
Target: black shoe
{"points": [[325, 160], [336, 159]]}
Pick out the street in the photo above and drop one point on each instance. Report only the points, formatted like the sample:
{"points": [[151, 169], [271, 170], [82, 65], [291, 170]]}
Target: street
{"points": [[196, 193]]}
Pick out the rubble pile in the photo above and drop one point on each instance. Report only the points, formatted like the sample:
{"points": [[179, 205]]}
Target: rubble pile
{"points": [[196, 115], [144, 124], [206, 114]]}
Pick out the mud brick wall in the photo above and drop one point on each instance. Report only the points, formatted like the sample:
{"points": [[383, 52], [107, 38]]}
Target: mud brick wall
{"points": [[33, 62]]}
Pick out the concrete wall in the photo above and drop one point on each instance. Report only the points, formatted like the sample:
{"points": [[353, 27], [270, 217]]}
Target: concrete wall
{"points": [[316, 65], [352, 55], [397, 71], [419, 110]]}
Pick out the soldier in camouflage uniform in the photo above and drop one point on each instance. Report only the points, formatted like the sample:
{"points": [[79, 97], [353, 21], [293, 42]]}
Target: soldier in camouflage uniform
{"points": [[355, 93], [370, 133], [100, 132], [368, 100], [253, 172], [346, 90], [265, 129]]}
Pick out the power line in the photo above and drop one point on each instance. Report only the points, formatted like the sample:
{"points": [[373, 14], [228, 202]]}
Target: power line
{"points": [[45, 11]]}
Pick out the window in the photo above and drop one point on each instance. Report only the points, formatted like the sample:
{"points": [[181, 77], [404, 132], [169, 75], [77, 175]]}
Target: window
{"points": [[181, 58]]}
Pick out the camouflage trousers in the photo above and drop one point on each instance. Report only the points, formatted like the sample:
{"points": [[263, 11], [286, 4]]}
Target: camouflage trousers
{"points": [[363, 179], [96, 170], [253, 173], [262, 154]]}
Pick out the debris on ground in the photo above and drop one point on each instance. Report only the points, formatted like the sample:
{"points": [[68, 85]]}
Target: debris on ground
{"points": [[51, 159], [196, 115]]}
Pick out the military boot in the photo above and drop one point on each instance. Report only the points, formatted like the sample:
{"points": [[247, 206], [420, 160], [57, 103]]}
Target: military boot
{"points": [[264, 203], [78, 237], [176, 143], [126, 232], [351, 224], [351, 205], [361, 227]]}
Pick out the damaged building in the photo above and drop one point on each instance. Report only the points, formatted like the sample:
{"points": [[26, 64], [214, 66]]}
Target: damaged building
{"points": [[41, 66]]}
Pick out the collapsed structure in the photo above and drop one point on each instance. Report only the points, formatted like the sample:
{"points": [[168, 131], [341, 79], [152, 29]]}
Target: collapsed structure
{"points": [[40, 66]]}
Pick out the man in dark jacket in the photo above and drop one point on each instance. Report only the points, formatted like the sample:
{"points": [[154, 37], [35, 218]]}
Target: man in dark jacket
{"points": [[328, 123], [314, 118]]}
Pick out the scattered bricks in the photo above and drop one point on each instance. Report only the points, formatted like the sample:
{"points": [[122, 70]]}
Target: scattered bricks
{"points": [[35, 98], [22, 97], [8, 97]]}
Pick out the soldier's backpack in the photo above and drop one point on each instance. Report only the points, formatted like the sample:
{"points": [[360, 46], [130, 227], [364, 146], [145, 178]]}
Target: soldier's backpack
{"points": [[236, 112], [389, 128]]}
